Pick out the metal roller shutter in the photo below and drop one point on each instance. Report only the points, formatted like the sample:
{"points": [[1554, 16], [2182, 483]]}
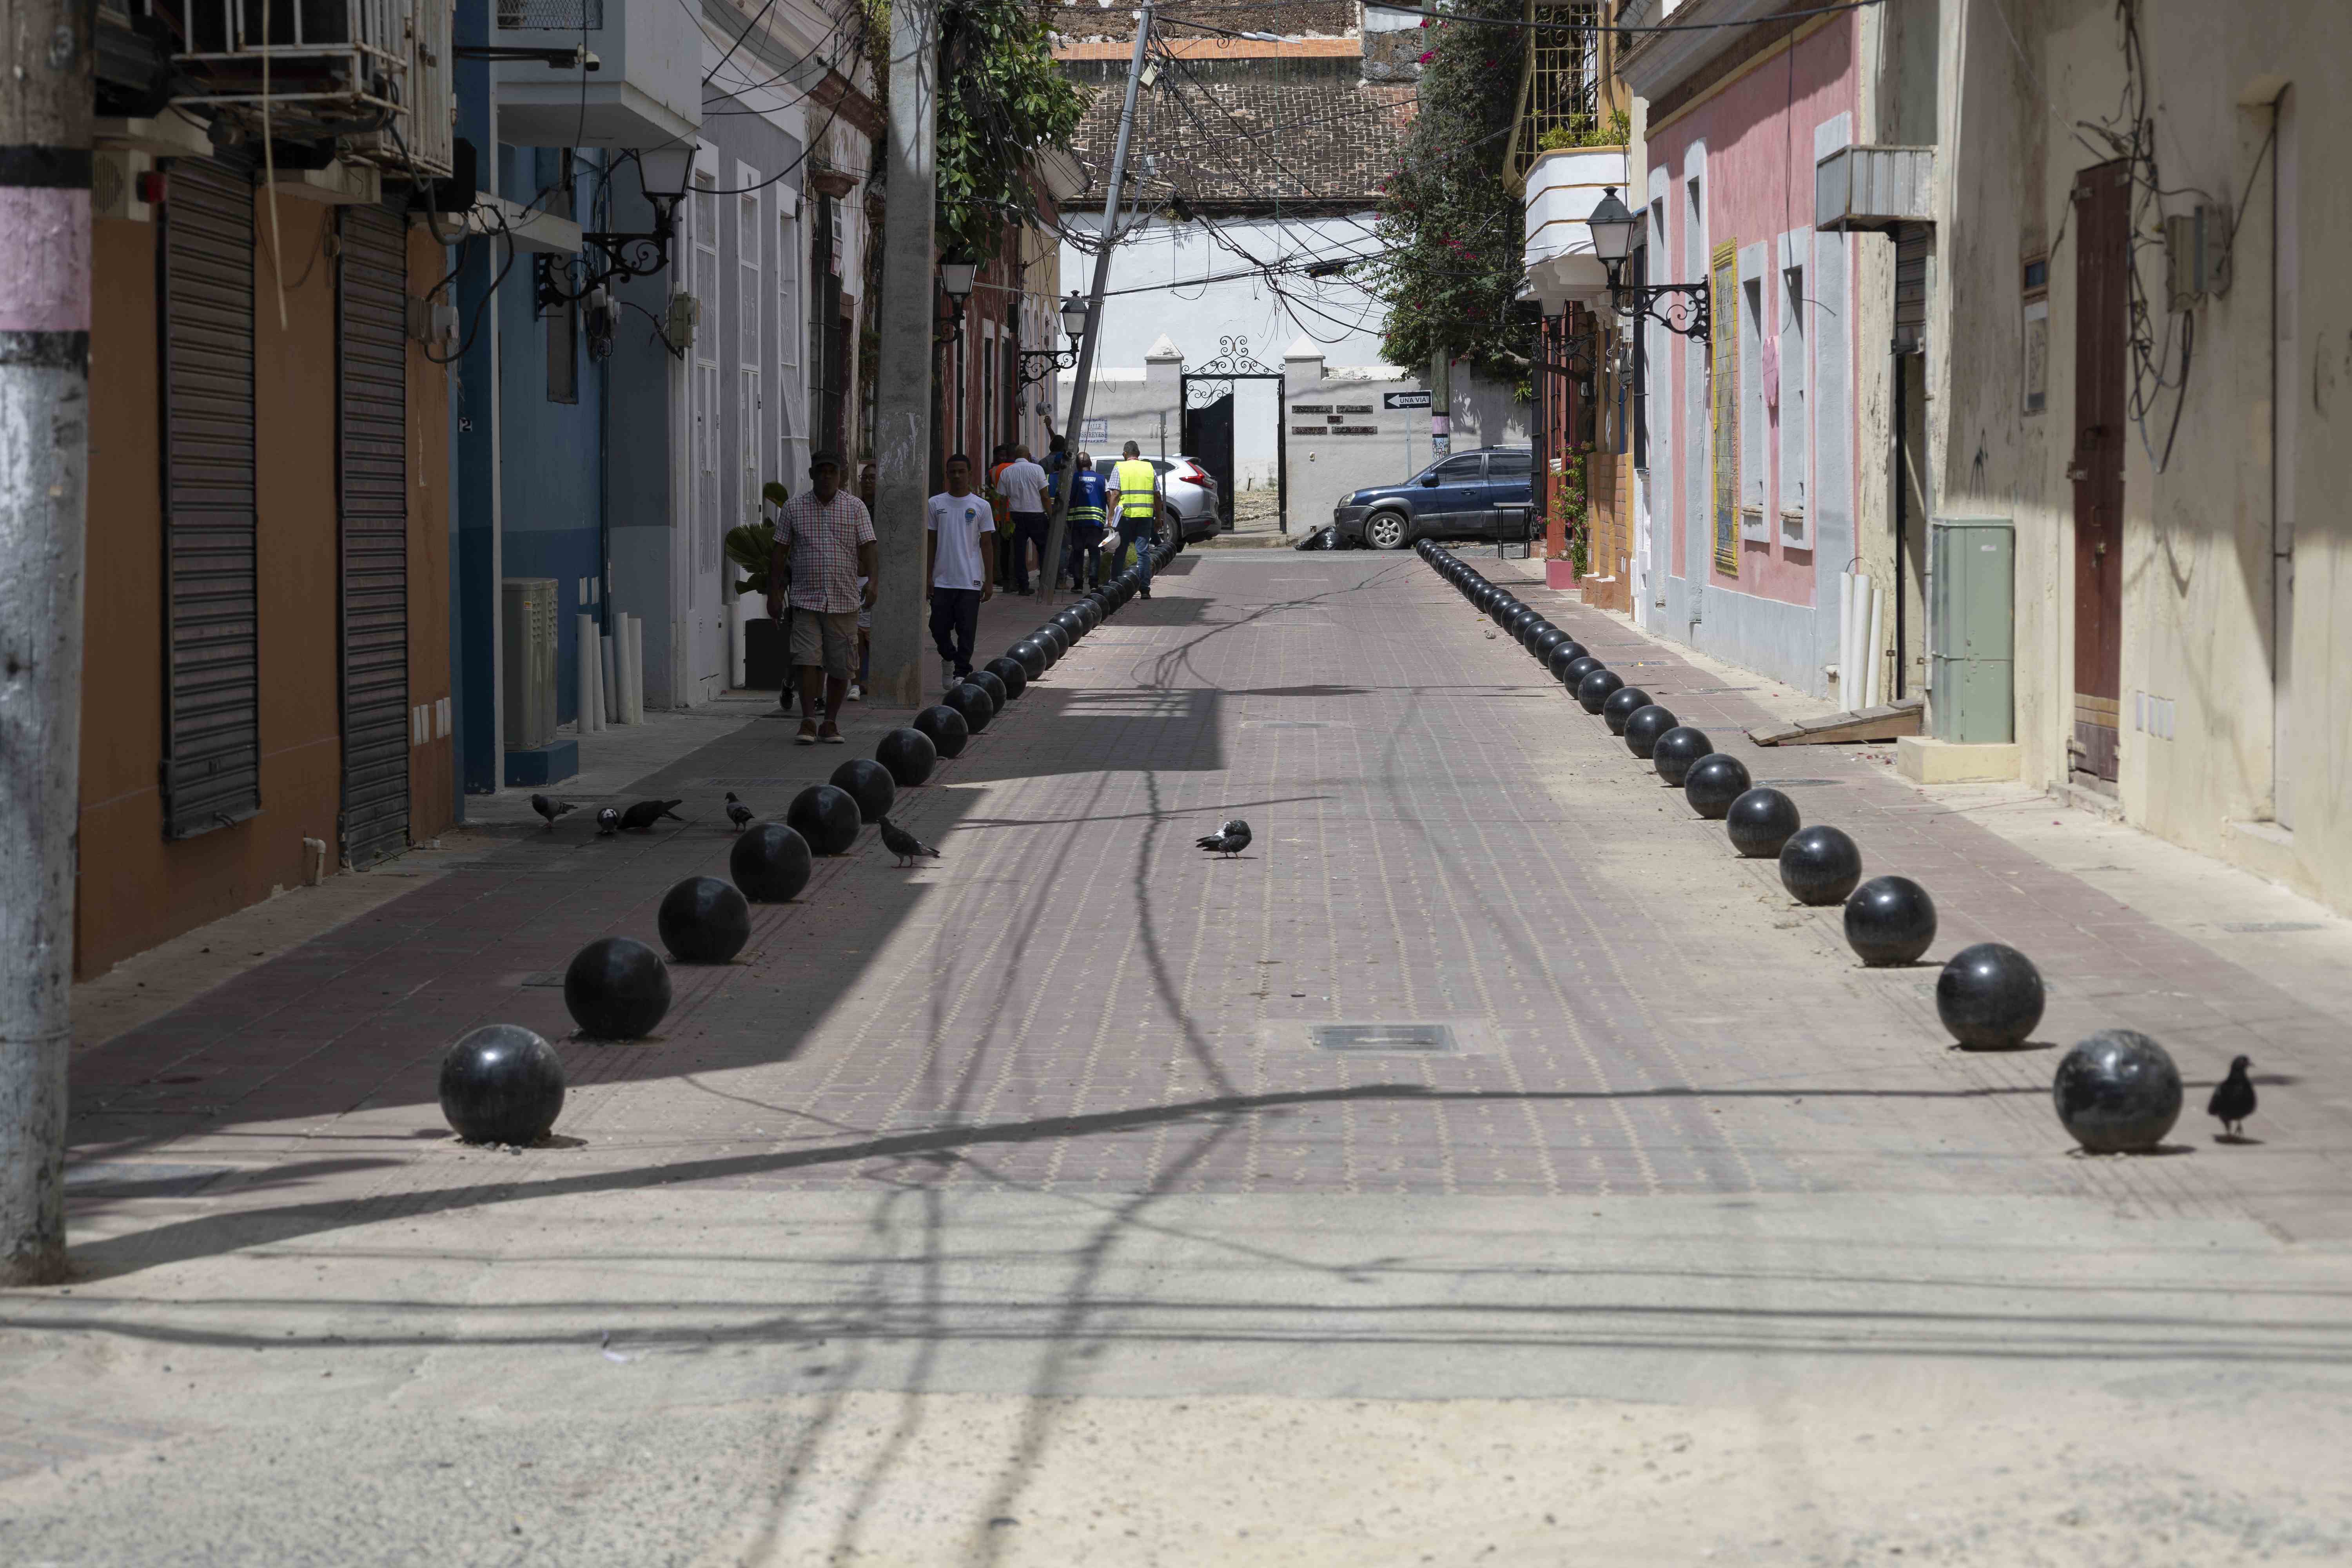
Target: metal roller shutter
{"points": [[211, 774], [371, 465]]}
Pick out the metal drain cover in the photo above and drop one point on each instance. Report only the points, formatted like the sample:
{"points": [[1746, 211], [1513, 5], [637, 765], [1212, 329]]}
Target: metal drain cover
{"points": [[1420, 1039]]}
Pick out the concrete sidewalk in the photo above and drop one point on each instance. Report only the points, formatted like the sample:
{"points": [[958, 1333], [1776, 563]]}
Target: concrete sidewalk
{"points": [[1003, 1211]]}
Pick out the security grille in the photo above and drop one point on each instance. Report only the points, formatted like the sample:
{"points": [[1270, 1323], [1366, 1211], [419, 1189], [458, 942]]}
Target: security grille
{"points": [[552, 15], [373, 481], [211, 772]]}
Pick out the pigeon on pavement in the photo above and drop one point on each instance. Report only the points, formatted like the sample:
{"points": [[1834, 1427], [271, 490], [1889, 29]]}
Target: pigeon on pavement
{"points": [[2233, 1098], [646, 812], [905, 845], [607, 820], [737, 812], [549, 809], [1230, 839]]}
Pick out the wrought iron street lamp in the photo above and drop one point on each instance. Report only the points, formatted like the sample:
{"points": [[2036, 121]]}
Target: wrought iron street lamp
{"points": [[1037, 364], [611, 255], [957, 277], [1613, 224]]}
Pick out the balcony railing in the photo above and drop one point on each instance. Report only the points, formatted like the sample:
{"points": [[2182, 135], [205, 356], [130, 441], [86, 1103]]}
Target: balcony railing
{"points": [[1561, 95]]}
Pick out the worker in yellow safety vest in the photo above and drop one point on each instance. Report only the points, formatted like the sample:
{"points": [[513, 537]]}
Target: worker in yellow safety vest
{"points": [[1135, 501]]}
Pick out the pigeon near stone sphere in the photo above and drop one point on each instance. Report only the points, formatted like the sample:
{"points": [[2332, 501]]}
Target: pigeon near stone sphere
{"points": [[2233, 1098], [737, 812], [1230, 839], [608, 821], [549, 809], [646, 812], [905, 845]]}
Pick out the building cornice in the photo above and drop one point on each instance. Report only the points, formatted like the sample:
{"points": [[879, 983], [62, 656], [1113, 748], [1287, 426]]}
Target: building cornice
{"points": [[1654, 65]]}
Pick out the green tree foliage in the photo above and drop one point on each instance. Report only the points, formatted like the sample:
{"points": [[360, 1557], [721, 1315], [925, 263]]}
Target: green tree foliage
{"points": [[1451, 227], [1002, 99]]}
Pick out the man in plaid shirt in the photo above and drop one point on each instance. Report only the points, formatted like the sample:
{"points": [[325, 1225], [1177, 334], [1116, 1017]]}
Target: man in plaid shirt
{"points": [[825, 544]]}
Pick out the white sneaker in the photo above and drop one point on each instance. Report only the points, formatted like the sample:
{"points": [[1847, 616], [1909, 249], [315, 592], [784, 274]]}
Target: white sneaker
{"points": [[855, 694], [947, 674]]}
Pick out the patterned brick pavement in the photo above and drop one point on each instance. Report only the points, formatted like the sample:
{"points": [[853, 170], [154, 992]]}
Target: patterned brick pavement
{"points": [[1077, 998]]}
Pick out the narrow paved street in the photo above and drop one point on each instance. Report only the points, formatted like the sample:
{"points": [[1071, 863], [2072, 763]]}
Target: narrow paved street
{"points": [[1004, 1211]]}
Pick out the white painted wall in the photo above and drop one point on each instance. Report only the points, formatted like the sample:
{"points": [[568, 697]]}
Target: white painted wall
{"points": [[1158, 288]]}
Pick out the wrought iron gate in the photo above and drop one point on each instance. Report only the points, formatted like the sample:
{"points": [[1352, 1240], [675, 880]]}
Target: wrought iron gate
{"points": [[1208, 398]]}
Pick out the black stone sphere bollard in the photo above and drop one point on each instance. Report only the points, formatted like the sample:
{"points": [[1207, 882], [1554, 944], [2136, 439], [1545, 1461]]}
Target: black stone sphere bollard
{"points": [[998, 692], [705, 921], [1760, 822], [1990, 997], [826, 816], [616, 988], [1713, 783], [1889, 921], [1644, 726], [945, 728], [1056, 641], [1073, 624], [502, 1084], [1597, 686], [1623, 704], [1820, 866], [869, 784], [1577, 668], [2118, 1092], [1674, 752], [908, 753], [1030, 655], [770, 862], [974, 703], [1560, 657], [1007, 670]]}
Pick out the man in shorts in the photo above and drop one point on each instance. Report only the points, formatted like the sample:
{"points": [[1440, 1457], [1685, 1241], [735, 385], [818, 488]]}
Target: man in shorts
{"points": [[824, 546]]}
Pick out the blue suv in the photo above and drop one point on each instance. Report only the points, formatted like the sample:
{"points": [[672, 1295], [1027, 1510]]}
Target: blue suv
{"points": [[1485, 494]]}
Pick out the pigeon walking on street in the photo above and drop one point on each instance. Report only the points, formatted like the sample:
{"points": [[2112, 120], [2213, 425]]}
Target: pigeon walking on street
{"points": [[2233, 1099], [905, 845], [1230, 839], [646, 812], [608, 821], [549, 809], [737, 812]]}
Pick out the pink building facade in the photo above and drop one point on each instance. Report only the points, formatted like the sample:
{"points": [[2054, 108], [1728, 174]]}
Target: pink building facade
{"points": [[1748, 506]]}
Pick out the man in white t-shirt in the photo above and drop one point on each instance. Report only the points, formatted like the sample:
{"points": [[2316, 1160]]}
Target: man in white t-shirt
{"points": [[958, 568], [1024, 484]]}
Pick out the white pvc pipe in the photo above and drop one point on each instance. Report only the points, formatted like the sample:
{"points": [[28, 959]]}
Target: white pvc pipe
{"points": [[583, 681], [1858, 683], [608, 685], [1845, 640], [1878, 611]]}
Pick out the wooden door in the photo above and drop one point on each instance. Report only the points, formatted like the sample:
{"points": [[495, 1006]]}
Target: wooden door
{"points": [[2103, 258]]}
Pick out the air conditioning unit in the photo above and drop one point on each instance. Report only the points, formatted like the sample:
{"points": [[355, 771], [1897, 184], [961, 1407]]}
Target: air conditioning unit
{"points": [[527, 640], [372, 74]]}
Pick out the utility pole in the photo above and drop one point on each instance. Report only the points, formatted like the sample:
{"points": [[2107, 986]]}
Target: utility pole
{"points": [[1441, 404], [902, 392], [1078, 422], [44, 169]]}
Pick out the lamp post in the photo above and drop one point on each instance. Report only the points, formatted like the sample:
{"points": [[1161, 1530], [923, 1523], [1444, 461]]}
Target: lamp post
{"points": [[1612, 223], [1037, 364], [956, 278]]}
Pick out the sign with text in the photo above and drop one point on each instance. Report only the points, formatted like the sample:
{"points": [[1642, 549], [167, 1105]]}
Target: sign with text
{"points": [[1404, 400], [1094, 431]]}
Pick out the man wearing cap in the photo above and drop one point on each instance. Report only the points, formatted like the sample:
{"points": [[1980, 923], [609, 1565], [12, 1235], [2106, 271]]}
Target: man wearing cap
{"points": [[824, 545]]}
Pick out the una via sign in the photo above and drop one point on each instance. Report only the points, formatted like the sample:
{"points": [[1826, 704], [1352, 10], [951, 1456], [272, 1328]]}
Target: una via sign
{"points": [[1404, 400]]}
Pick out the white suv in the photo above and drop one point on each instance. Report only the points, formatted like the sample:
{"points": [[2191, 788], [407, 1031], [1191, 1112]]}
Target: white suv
{"points": [[1188, 491]]}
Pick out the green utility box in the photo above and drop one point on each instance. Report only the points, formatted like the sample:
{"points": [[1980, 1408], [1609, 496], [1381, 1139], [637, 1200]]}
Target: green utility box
{"points": [[1972, 630]]}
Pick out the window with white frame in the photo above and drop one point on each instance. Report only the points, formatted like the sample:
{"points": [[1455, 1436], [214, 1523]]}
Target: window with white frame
{"points": [[705, 390], [791, 391], [750, 237], [1795, 442], [1752, 524]]}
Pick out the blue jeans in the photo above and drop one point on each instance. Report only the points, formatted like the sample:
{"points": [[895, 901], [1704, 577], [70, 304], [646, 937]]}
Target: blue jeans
{"points": [[1136, 535]]}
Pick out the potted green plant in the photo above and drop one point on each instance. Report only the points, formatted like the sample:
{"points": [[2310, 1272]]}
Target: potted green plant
{"points": [[767, 656]]}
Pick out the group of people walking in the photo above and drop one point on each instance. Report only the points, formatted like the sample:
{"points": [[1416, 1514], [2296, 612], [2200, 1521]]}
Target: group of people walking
{"points": [[822, 574]]}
